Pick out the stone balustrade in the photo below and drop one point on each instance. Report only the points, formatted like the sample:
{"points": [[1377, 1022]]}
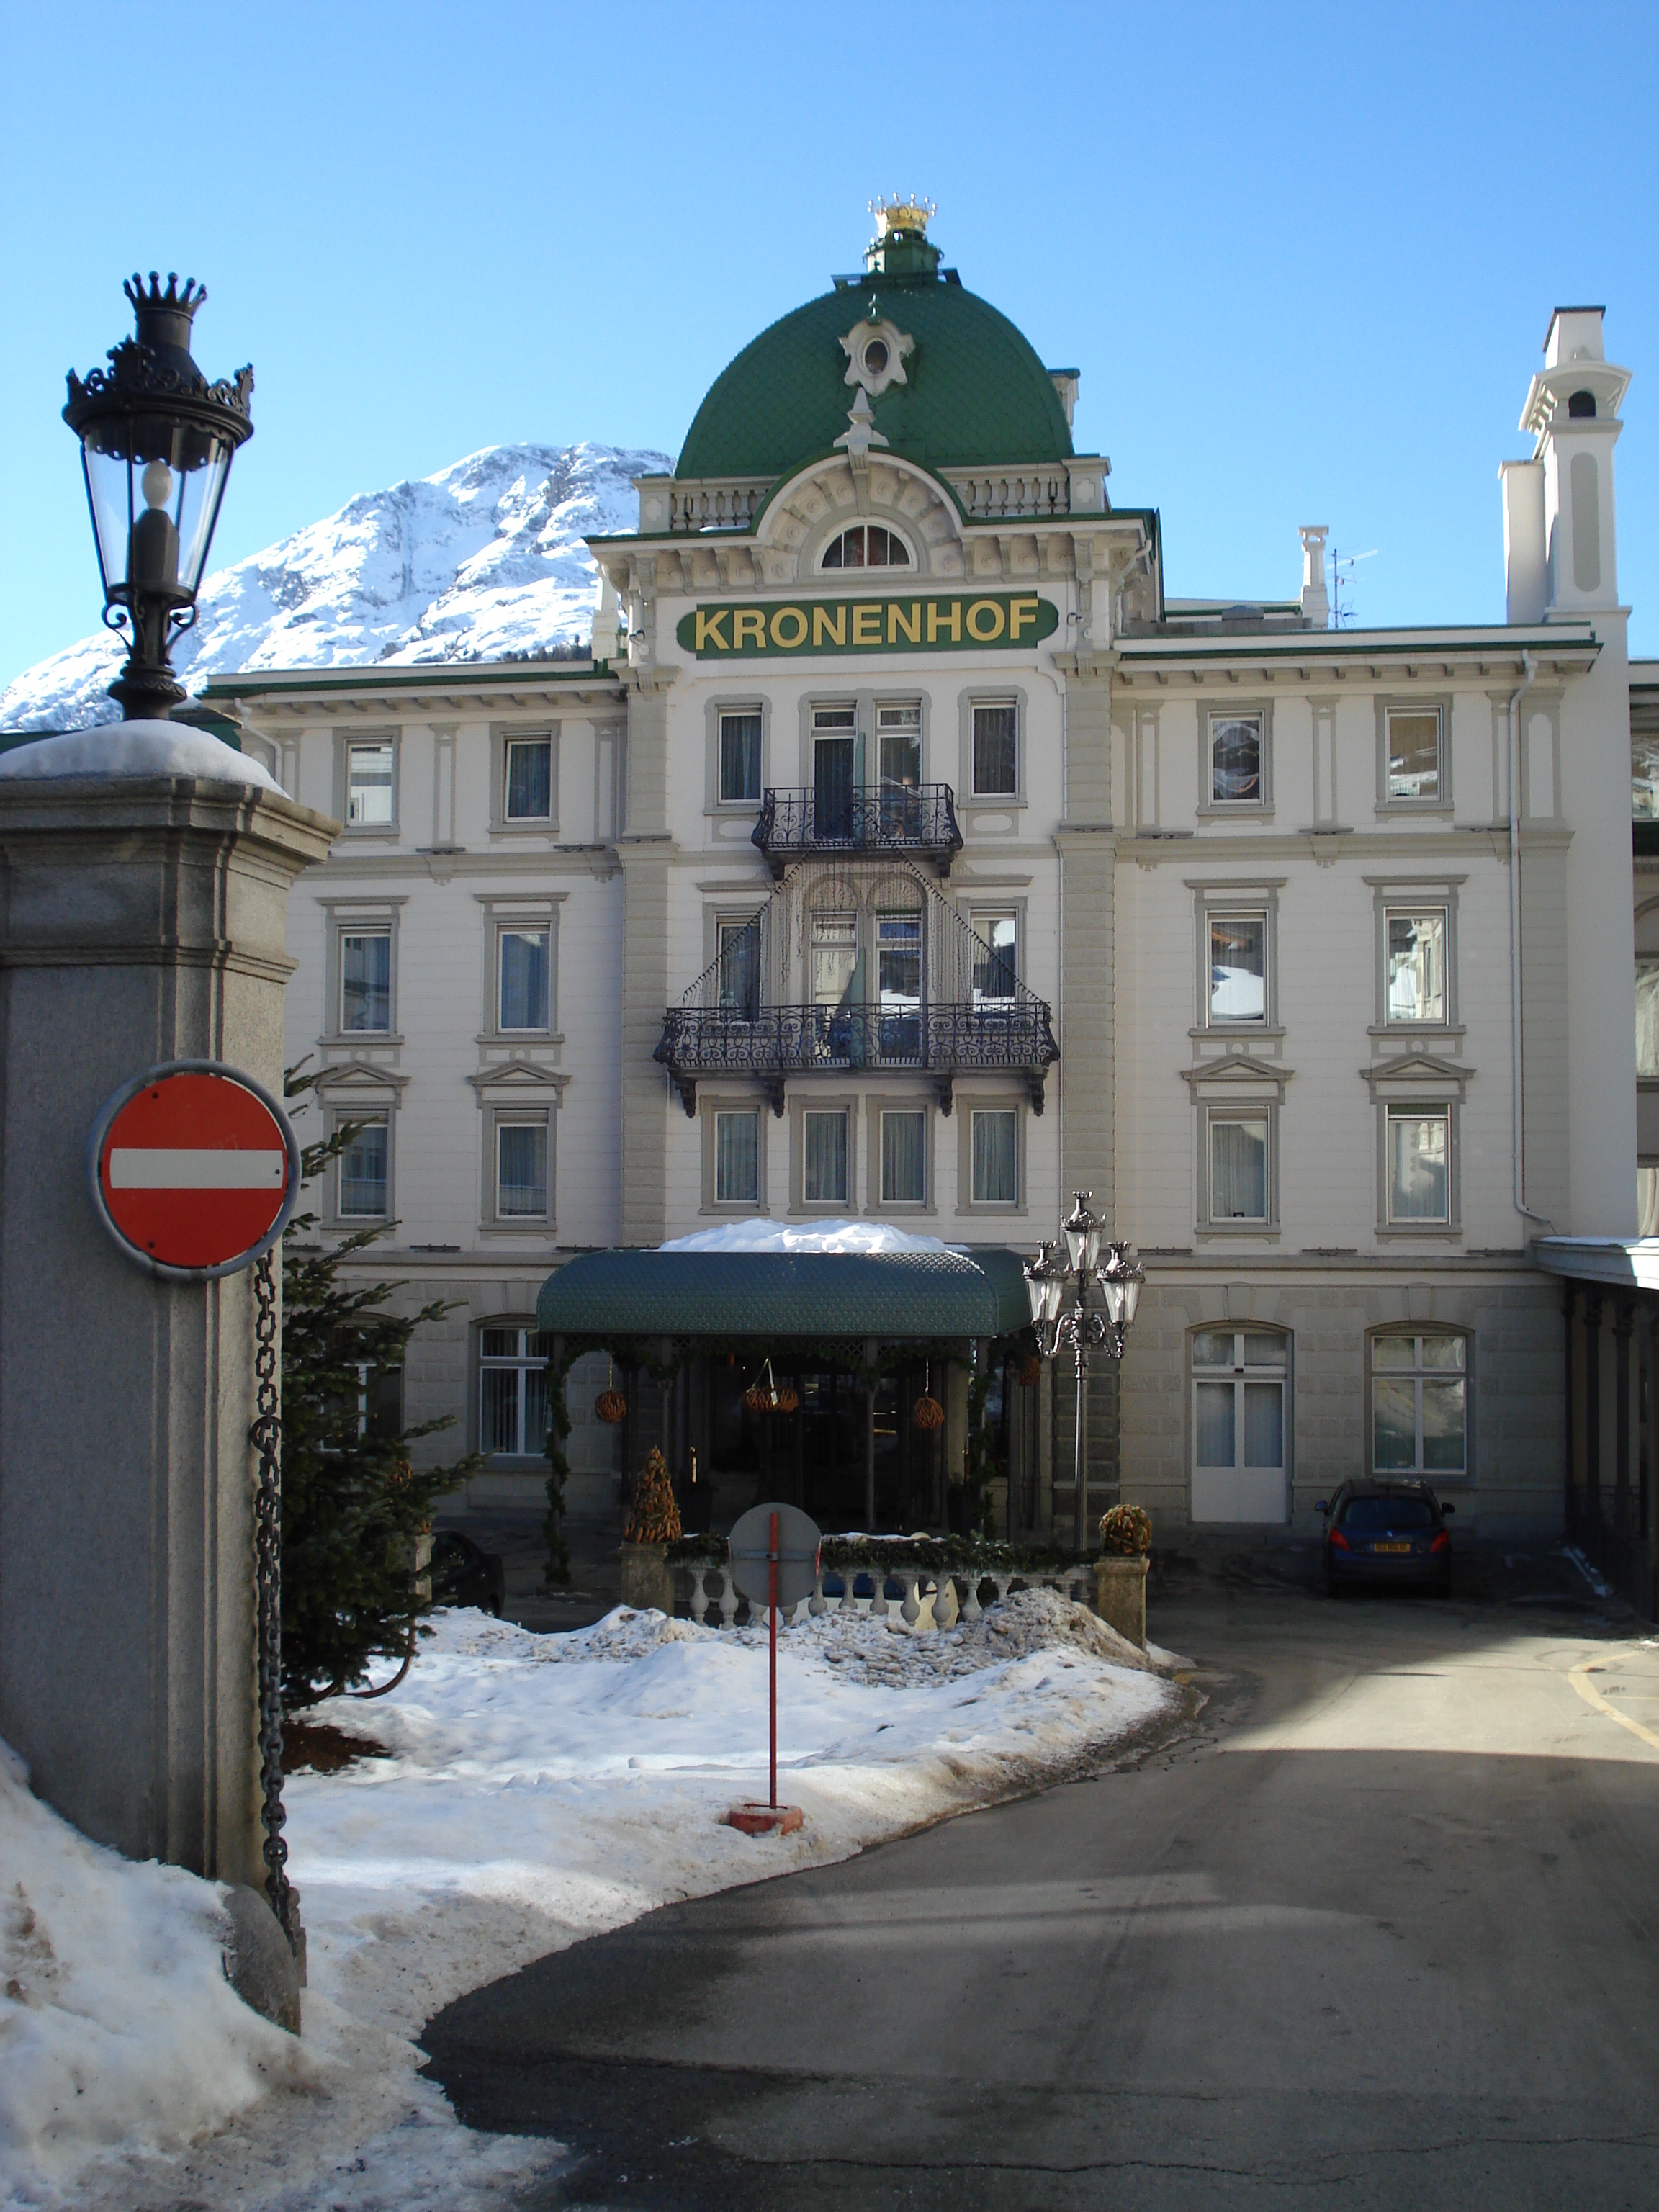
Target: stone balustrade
{"points": [[923, 1598]]}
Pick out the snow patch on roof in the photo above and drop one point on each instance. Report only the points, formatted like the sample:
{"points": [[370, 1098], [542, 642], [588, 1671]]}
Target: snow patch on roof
{"points": [[138, 749], [822, 1237]]}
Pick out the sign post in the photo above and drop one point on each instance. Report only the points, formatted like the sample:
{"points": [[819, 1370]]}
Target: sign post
{"points": [[775, 1552]]}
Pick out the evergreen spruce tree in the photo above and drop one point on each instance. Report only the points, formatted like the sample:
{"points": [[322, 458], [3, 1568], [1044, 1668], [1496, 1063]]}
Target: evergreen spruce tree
{"points": [[353, 1503]]}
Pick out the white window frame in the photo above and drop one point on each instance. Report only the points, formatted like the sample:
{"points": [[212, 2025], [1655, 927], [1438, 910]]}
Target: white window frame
{"points": [[505, 925], [1216, 901], [1403, 895], [1238, 1372], [356, 741], [981, 702], [1413, 1333], [845, 1110], [909, 567], [502, 736], [969, 1110], [497, 1119], [747, 710], [710, 1104], [1440, 707], [879, 1110], [1209, 722], [1412, 1223], [524, 1361], [743, 1201], [371, 1118], [1216, 1114], [362, 931]]}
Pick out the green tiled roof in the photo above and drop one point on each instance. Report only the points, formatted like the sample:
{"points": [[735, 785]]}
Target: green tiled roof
{"points": [[772, 1294], [977, 395]]}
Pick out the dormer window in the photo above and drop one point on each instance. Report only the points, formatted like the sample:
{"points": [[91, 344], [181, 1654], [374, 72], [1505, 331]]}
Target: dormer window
{"points": [[866, 545]]}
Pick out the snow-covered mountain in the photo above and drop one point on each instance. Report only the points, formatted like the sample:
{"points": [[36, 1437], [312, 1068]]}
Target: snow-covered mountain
{"points": [[484, 559]]}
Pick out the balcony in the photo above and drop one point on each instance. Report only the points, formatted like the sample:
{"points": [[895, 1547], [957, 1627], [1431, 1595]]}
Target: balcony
{"points": [[1009, 1036], [869, 818]]}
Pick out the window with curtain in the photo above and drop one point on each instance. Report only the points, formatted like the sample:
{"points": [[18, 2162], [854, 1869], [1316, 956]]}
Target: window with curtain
{"points": [[366, 979], [1236, 744], [993, 1142], [994, 957], [1238, 968], [1238, 1165], [1420, 1404], [1413, 756], [524, 973], [1647, 1018], [866, 545], [529, 780], [740, 756], [738, 974], [1418, 1164], [521, 1170], [1240, 1384], [904, 1157], [369, 785], [996, 749], [1417, 964], [511, 1392], [362, 1193], [823, 1159], [736, 1158]]}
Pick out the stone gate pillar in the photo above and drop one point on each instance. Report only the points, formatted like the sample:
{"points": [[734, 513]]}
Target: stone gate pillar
{"points": [[143, 918]]}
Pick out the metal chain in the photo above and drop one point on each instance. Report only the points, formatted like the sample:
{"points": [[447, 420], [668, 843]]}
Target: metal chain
{"points": [[266, 1437]]}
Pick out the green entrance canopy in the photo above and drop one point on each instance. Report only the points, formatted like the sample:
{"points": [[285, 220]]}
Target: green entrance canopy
{"points": [[773, 1294]]}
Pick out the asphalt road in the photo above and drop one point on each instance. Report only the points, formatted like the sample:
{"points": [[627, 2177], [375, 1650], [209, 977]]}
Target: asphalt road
{"points": [[1379, 1931]]}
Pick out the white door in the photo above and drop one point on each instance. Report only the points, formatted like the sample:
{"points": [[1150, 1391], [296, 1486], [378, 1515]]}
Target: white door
{"points": [[1240, 1377]]}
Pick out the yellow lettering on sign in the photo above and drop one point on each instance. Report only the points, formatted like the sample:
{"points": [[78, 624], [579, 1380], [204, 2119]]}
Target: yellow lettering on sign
{"points": [[709, 631], [939, 618], [895, 621], [797, 618], [1020, 612], [980, 636], [867, 625], [748, 626], [830, 623]]}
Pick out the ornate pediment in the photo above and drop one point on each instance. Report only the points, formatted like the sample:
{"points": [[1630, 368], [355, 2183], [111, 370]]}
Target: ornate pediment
{"points": [[1418, 1075], [1238, 1070], [343, 1077], [524, 1078]]}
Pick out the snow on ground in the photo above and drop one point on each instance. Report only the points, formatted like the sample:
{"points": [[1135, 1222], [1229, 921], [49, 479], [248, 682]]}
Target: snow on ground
{"points": [[535, 1789]]}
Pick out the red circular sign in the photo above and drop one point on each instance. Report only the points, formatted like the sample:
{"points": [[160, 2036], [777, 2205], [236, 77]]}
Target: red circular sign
{"points": [[195, 1168]]}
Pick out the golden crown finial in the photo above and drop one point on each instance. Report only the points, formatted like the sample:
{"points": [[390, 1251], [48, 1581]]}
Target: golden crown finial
{"points": [[900, 213]]}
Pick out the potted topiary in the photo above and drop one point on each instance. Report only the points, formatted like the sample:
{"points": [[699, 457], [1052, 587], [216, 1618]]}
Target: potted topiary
{"points": [[653, 1523], [1126, 1545]]}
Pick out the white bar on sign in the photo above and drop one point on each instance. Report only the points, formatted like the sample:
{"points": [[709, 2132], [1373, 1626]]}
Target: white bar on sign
{"points": [[149, 1168]]}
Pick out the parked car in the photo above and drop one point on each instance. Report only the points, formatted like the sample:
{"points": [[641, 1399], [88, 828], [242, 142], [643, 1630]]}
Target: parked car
{"points": [[462, 1574], [1387, 1532]]}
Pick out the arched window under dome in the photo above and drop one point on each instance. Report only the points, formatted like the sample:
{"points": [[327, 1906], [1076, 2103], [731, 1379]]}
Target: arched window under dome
{"points": [[866, 545]]}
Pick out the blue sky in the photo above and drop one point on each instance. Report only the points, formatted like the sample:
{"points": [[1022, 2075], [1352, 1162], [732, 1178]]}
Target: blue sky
{"points": [[1304, 257]]}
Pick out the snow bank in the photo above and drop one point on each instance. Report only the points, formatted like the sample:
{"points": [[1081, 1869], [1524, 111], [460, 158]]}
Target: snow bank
{"points": [[536, 1789], [138, 749], [118, 2029], [824, 1237]]}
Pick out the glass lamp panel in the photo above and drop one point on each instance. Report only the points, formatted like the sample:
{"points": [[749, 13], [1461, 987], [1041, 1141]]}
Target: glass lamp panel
{"points": [[1442, 1426], [1112, 1290], [1393, 1423], [1054, 1296], [1134, 1283], [110, 493], [1213, 1424], [198, 495], [1036, 1292]]}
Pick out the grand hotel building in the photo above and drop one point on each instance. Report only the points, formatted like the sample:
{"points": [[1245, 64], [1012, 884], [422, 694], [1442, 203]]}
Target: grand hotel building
{"points": [[904, 854]]}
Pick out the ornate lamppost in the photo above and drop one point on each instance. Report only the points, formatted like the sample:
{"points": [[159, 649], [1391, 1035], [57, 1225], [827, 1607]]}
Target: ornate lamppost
{"points": [[1060, 1321], [156, 444]]}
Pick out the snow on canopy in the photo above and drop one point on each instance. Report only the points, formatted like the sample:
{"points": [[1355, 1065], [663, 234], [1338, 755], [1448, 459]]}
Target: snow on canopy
{"points": [[822, 1236], [138, 749]]}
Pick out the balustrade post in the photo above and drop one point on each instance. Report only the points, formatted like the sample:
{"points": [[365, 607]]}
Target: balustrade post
{"points": [[944, 1599], [728, 1597], [972, 1609], [910, 1609]]}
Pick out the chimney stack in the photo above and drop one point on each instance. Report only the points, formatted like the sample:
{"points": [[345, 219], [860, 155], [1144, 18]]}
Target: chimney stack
{"points": [[1315, 600]]}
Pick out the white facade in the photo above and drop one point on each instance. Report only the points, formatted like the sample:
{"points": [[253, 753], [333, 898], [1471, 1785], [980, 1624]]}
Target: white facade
{"points": [[1256, 874]]}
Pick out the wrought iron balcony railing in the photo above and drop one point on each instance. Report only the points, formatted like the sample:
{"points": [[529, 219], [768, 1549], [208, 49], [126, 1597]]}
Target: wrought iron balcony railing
{"points": [[868, 819], [995, 1037]]}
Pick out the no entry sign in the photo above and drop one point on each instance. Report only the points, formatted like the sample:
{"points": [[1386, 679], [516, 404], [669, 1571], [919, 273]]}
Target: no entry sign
{"points": [[194, 1169]]}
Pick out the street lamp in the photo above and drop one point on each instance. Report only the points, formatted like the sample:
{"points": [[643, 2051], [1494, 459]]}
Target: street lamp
{"points": [[156, 443], [1118, 1276]]}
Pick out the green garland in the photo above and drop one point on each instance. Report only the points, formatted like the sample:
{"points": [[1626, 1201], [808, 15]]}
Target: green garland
{"points": [[934, 1553]]}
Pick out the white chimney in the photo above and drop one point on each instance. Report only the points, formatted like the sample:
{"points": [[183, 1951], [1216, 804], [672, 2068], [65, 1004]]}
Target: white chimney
{"points": [[1315, 600], [1526, 572]]}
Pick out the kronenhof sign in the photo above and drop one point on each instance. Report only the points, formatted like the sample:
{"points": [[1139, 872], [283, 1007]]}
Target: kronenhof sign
{"points": [[900, 624]]}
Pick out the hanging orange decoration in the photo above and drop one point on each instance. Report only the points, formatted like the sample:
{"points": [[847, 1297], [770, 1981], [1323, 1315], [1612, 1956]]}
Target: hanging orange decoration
{"points": [[763, 1395], [611, 1405], [927, 1413], [1030, 1373], [788, 1399]]}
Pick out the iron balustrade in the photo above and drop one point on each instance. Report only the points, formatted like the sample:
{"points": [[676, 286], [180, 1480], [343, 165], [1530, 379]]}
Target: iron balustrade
{"points": [[866, 819], [1002, 1037]]}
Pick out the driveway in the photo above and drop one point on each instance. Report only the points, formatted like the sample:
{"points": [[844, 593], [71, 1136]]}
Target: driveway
{"points": [[1378, 1930]]}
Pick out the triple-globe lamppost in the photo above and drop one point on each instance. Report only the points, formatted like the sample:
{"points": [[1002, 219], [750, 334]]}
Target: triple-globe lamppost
{"points": [[1060, 1291], [156, 444]]}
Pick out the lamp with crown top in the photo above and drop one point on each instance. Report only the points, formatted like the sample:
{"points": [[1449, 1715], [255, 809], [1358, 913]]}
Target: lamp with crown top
{"points": [[156, 444], [1089, 1264]]}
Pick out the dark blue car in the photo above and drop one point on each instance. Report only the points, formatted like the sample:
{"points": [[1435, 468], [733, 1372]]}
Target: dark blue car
{"points": [[1387, 1532]]}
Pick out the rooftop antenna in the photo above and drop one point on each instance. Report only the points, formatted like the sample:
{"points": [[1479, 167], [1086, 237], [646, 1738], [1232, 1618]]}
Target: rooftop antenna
{"points": [[1341, 565]]}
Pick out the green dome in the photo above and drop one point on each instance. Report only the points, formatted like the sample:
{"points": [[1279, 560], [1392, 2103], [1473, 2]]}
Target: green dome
{"points": [[976, 394]]}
